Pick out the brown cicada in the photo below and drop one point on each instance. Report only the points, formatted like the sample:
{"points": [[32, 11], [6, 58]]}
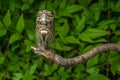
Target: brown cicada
{"points": [[44, 28]]}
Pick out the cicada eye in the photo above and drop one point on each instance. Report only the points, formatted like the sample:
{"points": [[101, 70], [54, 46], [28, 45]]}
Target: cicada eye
{"points": [[39, 13], [49, 14]]}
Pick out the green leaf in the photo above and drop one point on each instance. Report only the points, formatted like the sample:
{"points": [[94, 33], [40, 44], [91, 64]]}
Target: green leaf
{"points": [[63, 73], [42, 6], [102, 4], [63, 4], [118, 68], [62, 47], [92, 62], [97, 77], [1, 25], [15, 47], [20, 24], [96, 33], [73, 8], [72, 39], [64, 29], [47, 70], [58, 46], [14, 5], [110, 4], [25, 6], [81, 25], [117, 4], [14, 38], [88, 13], [117, 32], [113, 27], [3, 32], [96, 11], [104, 24], [33, 68], [100, 40], [64, 13], [114, 62], [15, 78], [85, 37], [2, 58], [93, 70], [85, 2], [30, 34], [66, 48], [18, 75], [49, 6], [31, 1], [7, 19], [28, 76], [28, 44], [54, 67]]}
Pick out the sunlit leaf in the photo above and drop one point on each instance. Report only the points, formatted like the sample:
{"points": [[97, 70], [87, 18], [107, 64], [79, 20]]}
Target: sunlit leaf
{"points": [[14, 38], [30, 34], [7, 19], [58, 46], [47, 70], [97, 77], [96, 33], [28, 76], [20, 24], [72, 39], [64, 29], [85, 37], [28, 45], [92, 62], [18, 75], [81, 24], [73, 8], [93, 70], [33, 68]]}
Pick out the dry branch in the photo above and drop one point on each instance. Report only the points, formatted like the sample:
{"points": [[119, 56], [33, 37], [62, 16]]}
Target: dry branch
{"points": [[76, 60]]}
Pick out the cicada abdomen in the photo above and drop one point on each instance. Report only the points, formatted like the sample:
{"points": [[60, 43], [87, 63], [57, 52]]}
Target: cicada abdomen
{"points": [[44, 28]]}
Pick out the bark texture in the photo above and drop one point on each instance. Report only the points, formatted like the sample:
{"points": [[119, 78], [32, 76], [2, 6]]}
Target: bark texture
{"points": [[75, 60]]}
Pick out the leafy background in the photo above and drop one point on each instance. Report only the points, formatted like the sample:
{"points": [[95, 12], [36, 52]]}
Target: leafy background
{"points": [[80, 25]]}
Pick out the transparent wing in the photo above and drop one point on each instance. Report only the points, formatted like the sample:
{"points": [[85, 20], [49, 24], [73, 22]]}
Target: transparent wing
{"points": [[51, 44], [38, 39]]}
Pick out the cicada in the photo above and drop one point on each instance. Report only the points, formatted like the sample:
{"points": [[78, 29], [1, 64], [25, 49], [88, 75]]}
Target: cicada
{"points": [[44, 28]]}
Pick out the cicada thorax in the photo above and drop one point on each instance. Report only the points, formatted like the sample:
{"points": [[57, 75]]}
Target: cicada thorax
{"points": [[44, 28]]}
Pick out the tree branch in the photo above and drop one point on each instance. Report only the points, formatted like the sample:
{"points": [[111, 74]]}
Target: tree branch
{"points": [[76, 60]]}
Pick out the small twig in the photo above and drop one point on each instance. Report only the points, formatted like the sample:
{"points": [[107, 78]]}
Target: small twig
{"points": [[76, 60]]}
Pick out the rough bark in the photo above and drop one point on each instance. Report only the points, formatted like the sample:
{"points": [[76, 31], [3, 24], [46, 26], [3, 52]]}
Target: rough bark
{"points": [[76, 60]]}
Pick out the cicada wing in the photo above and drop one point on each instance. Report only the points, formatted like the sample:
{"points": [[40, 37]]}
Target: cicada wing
{"points": [[51, 44], [38, 39]]}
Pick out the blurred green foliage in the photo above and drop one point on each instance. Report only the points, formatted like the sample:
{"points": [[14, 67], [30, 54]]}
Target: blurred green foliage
{"points": [[80, 25]]}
